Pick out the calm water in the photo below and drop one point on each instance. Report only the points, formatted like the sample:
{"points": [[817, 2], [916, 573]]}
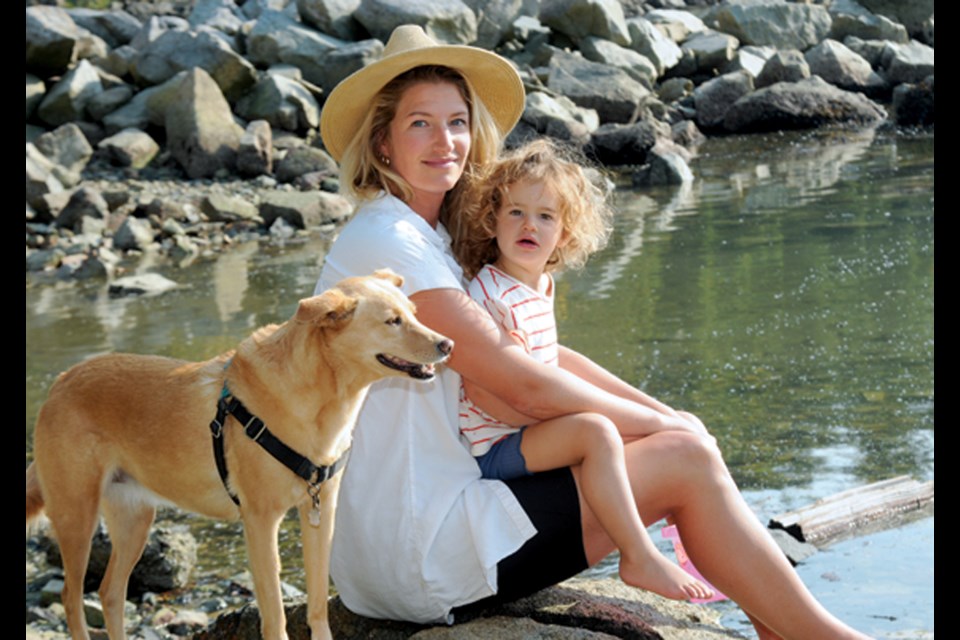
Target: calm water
{"points": [[786, 297]]}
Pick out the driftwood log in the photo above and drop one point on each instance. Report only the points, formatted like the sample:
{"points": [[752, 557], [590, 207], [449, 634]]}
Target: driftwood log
{"points": [[875, 506]]}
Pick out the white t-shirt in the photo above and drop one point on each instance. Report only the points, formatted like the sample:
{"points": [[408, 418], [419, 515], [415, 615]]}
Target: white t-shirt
{"points": [[418, 531]]}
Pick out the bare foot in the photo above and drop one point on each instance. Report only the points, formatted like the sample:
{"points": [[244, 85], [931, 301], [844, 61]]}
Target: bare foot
{"points": [[656, 573]]}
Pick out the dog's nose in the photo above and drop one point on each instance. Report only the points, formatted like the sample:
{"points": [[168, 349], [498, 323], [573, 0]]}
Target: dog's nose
{"points": [[445, 346]]}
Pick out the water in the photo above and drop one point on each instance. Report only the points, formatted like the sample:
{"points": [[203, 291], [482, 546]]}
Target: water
{"points": [[786, 297]]}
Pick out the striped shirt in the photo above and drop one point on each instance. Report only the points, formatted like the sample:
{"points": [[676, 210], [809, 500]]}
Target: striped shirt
{"points": [[527, 316]]}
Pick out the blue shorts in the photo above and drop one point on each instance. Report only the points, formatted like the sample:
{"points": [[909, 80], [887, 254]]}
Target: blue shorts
{"points": [[504, 461]]}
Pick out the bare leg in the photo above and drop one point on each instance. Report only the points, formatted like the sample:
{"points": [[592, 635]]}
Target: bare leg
{"points": [[593, 442], [683, 475]]}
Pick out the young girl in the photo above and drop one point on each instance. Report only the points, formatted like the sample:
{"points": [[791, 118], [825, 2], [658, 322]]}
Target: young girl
{"points": [[539, 212]]}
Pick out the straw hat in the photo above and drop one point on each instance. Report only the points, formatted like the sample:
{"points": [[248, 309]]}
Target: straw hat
{"points": [[494, 80]]}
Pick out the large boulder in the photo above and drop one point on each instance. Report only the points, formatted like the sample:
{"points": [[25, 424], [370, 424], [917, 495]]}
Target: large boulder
{"points": [[222, 15], [647, 39], [714, 97], [615, 145], [806, 104], [449, 21], [850, 19], [116, 27], [613, 93], [304, 210], [838, 65], [51, 40], [710, 50], [67, 147], [281, 101], [494, 20], [913, 14], [780, 24], [334, 17], [578, 19], [788, 65], [911, 62], [912, 104], [201, 133], [67, 100], [636, 65], [176, 51], [129, 148]]}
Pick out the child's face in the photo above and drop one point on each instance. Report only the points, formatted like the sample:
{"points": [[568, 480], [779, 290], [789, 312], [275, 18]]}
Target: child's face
{"points": [[529, 228]]}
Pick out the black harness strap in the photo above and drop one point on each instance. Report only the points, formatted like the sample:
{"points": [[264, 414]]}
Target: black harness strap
{"points": [[256, 430]]}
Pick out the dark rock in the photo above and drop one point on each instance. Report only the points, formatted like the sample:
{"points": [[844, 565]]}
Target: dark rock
{"points": [[85, 202], [913, 104], [612, 92], [616, 144]]}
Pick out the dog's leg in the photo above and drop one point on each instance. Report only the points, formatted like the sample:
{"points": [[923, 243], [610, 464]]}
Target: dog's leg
{"points": [[128, 524], [261, 530], [316, 557]]}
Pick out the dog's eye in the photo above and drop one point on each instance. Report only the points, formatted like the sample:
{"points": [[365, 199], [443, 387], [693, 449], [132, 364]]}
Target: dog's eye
{"points": [[396, 322]]}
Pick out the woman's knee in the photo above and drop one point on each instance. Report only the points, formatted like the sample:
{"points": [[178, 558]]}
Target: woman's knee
{"points": [[601, 432], [689, 451]]}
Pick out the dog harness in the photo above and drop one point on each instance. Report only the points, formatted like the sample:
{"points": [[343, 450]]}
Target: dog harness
{"points": [[256, 430]]}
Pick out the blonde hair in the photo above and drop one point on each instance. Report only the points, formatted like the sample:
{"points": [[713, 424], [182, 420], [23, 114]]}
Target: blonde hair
{"points": [[363, 172], [584, 213]]}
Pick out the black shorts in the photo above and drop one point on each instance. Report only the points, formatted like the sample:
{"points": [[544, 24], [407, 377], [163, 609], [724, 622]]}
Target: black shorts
{"points": [[553, 554]]}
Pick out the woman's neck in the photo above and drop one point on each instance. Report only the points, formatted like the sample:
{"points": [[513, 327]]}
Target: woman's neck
{"points": [[428, 209]]}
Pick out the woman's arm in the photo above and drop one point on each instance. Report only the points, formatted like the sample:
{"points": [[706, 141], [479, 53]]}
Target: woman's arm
{"points": [[490, 359]]}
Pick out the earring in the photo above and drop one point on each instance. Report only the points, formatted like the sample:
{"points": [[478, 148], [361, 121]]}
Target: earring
{"points": [[385, 160]]}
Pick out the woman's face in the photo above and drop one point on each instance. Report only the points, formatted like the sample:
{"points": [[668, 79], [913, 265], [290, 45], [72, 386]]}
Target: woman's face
{"points": [[428, 141]]}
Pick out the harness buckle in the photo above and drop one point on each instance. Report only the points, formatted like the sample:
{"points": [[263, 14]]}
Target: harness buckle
{"points": [[253, 420], [216, 428]]}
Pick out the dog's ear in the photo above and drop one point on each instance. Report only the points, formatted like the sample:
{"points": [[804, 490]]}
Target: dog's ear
{"points": [[388, 274], [328, 309]]}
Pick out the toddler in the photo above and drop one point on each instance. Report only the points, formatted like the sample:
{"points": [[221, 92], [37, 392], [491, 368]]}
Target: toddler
{"points": [[538, 212]]}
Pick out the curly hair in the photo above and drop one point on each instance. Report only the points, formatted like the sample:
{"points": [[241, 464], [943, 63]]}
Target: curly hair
{"points": [[584, 212]]}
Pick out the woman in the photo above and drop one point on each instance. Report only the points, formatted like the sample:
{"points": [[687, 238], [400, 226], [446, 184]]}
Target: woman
{"points": [[419, 534]]}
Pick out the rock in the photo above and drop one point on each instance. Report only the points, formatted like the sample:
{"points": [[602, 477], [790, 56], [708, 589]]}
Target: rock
{"points": [[667, 166], [282, 102], [129, 148], [634, 64], [116, 27], [51, 40], [751, 59], [148, 107], [543, 110], [156, 26], [686, 134], [494, 20], [222, 208], [913, 15], [67, 147], [784, 25], [35, 92], [805, 104], [449, 21], [866, 26], [611, 92], [331, 16], [134, 234], [619, 144], [304, 160], [108, 101], [44, 259], [84, 202], [66, 101], [911, 62], [176, 51], [579, 19], [913, 103], [680, 25], [646, 39], [255, 154], [795, 550], [222, 15], [788, 65], [149, 284], [41, 179], [838, 65], [714, 97], [710, 50], [201, 133], [304, 209]]}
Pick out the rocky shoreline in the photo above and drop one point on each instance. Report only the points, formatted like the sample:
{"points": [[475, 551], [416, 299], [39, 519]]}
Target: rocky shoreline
{"points": [[179, 128]]}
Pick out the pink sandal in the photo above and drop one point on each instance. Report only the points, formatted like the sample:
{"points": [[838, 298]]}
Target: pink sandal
{"points": [[670, 532]]}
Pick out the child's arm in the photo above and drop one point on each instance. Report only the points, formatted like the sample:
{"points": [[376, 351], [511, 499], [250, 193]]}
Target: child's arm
{"points": [[495, 407]]}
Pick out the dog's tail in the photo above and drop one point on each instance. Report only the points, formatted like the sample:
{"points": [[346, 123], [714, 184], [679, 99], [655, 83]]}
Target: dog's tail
{"points": [[34, 495]]}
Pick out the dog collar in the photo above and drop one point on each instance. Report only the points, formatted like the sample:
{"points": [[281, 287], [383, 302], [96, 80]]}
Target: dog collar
{"points": [[256, 430]]}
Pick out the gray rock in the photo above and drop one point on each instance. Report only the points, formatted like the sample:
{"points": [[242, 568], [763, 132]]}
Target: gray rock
{"points": [[334, 17], [129, 148], [784, 66], [116, 27], [338, 63], [784, 25], [67, 147], [713, 98], [912, 15], [84, 202], [494, 20], [147, 107], [805, 104], [751, 59], [134, 234], [281, 101], [449, 21], [223, 208], [867, 26], [610, 91], [667, 165], [620, 145], [647, 39], [686, 134], [795, 550], [255, 154], [911, 62], [201, 133], [41, 179], [674, 89], [108, 101], [711, 50], [579, 19], [679, 24], [303, 209], [66, 101], [118, 61], [838, 65], [51, 38], [873, 51], [544, 111], [302, 160], [223, 15], [609, 53], [151, 284], [44, 259], [35, 92], [177, 51], [912, 104], [156, 26]]}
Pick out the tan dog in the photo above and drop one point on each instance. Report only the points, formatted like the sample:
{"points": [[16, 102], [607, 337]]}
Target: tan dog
{"points": [[122, 433]]}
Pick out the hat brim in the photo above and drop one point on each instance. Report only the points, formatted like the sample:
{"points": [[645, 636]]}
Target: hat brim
{"points": [[494, 80]]}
